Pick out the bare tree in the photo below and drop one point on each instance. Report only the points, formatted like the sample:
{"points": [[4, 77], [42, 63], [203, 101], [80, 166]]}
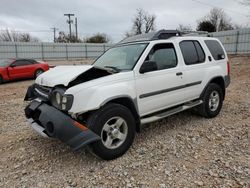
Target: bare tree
{"points": [[142, 23], [9, 36], [149, 21], [26, 37], [182, 27], [138, 21], [220, 20], [64, 38], [245, 2], [13, 36]]}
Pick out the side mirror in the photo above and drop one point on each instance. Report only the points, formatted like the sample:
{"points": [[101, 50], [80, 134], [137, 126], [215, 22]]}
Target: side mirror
{"points": [[148, 66], [221, 56], [12, 65]]}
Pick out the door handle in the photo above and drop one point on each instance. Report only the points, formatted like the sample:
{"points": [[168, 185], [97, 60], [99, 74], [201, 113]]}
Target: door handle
{"points": [[178, 73]]}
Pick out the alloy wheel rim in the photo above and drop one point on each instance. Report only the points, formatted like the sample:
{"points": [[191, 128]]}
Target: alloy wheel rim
{"points": [[114, 132], [38, 73], [214, 100]]}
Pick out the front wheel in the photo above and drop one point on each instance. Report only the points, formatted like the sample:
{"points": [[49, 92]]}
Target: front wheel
{"points": [[115, 125], [1, 79], [212, 101]]}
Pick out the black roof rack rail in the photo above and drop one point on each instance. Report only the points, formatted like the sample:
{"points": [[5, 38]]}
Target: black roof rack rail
{"points": [[162, 34], [165, 34]]}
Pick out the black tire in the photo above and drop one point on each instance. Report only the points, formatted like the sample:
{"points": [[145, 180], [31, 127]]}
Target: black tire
{"points": [[98, 119], [1, 79], [38, 72], [204, 109]]}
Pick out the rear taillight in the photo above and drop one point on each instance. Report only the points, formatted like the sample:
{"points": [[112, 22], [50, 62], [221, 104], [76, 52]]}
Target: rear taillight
{"points": [[228, 68]]}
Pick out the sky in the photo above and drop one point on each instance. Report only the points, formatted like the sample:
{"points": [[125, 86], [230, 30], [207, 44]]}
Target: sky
{"points": [[113, 17]]}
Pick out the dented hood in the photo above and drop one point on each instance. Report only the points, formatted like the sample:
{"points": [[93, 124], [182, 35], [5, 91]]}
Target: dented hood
{"points": [[61, 75]]}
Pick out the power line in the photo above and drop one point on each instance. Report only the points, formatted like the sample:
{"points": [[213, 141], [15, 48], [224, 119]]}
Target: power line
{"points": [[30, 31], [58, 20], [210, 5]]}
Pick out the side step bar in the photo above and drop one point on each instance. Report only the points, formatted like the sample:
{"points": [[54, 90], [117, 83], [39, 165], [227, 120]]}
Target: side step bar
{"points": [[171, 112]]}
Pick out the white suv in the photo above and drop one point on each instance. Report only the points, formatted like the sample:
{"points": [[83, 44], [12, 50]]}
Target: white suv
{"points": [[140, 80]]}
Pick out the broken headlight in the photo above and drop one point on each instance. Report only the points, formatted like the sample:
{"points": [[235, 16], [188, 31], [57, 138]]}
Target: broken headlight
{"points": [[61, 101]]}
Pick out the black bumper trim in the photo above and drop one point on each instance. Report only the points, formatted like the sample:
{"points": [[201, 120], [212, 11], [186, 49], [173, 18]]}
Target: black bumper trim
{"points": [[63, 125]]}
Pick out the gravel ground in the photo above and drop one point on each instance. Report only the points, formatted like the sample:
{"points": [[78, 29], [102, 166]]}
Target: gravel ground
{"points": [[183, 150]]}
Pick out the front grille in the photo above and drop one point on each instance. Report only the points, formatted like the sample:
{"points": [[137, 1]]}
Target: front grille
{"points": [[42, 91]]}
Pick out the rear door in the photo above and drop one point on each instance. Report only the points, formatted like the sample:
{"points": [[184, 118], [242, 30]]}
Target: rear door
{"points": [[219, 56], [21, 69], [195, 64]]}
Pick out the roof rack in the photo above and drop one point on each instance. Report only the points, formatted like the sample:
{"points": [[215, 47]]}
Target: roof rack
{"points": [[162, 34], [193, 33]]}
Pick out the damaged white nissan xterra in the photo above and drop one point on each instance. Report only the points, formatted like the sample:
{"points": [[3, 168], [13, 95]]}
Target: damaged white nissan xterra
{"points": [[140, 80]]}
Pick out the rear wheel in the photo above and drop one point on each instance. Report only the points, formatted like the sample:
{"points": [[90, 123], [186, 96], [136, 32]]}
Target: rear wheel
{"points": [[212, 101], [115, 125], [38, 72]]}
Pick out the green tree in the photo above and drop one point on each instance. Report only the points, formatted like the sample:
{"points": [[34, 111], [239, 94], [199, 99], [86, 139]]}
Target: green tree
{"points": [[97, 38], [218, 18], [206, 26]]}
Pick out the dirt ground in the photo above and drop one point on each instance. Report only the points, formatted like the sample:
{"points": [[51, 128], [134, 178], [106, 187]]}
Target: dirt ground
{"points": [[183, 150]]}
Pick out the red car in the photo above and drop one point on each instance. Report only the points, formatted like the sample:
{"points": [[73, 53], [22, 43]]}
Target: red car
{"points": [[14, 69]]}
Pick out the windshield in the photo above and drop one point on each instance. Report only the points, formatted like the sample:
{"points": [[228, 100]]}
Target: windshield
{"points": [[121, 57], [4, 62]]}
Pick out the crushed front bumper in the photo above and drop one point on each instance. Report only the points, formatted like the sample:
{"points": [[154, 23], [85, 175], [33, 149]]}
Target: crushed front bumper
{"points": [[49, 121]]}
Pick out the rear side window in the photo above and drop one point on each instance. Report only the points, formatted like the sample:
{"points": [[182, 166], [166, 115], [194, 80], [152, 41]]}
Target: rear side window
{"points": [[192, 52], [32, 61], [215, 49]]}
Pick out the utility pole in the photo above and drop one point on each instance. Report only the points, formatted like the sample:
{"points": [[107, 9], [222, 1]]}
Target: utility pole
{"points": [[76, 28], [69, 21], [54, 31]]}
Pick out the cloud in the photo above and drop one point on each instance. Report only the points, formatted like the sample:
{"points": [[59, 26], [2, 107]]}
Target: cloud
{"points": [[110, 16]]}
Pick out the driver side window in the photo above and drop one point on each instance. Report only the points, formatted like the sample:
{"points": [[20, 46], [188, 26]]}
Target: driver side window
{"points": [[163, 55], [18, 63]]}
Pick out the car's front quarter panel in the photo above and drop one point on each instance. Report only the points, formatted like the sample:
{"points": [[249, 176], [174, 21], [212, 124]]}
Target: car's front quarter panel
{"points": [[4, 73], [44, 66], [94, 94]]}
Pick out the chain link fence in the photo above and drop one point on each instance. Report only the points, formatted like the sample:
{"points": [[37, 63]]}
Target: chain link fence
{"points": [[235, 42], [51, 51]]}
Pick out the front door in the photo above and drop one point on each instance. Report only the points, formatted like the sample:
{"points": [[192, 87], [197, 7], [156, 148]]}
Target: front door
{"points": [[195, 67], [161, 88], [20, 69]]}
